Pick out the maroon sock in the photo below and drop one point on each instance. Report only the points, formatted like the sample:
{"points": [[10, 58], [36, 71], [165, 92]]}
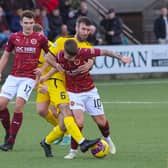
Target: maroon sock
{"points": [[74, 144], [5, 120], [15, 125], [105, 130]]}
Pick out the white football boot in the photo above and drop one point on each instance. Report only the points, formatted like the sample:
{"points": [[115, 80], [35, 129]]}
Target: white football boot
{"points": [[112, 148], [71, 155]]}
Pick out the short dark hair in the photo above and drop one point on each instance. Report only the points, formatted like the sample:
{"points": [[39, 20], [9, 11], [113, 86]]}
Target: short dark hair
{"points": [[37, 28], [71, 47], [28, 14], [83, 19]]}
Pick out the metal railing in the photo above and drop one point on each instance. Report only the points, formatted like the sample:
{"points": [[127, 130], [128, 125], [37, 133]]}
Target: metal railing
{"points": [[102, 11]]}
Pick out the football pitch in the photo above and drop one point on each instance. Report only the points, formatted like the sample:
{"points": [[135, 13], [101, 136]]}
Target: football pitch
{"points": [[138, 114]]}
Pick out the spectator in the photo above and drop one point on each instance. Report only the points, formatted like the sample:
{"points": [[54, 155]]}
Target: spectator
{"points": [[112, 25], [4, 28], [65, 8], [94, 38], [83, 10], [15, 21], [161, 27], [38, 17], [50, 5], [64, 30], [55, 23], [45, 21], [71, 21]]}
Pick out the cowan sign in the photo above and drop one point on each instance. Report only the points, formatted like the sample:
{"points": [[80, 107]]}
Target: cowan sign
{"points": [[145, 59]]}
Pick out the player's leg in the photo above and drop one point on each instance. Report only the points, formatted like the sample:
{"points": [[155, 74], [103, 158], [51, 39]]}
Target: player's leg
{"points": [[73, 129], [79, 119], [56, 133], [8, 91], [24, 89], [104, 128], [5, 116], [70, 126], [56, 88], [95, 109], [42, 105]]}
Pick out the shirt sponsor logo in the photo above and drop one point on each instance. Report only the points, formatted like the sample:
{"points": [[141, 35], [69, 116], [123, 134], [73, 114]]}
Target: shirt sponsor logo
{"points": [[33, 41], [26, 50], [18, 40]]}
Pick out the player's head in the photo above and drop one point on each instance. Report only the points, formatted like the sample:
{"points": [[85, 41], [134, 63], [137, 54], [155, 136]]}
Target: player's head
{"points": [[83, 28], [70, 49], [38, 28], [27, 21]]}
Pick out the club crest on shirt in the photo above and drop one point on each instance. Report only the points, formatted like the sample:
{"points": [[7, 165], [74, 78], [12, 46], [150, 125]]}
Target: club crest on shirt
{"points": [[33, 41], [77, 62]]}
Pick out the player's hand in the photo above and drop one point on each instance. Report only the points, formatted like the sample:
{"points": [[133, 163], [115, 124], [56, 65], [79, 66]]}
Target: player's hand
{"points": [[37, 71], [43, 78], [86, 67], [43, 89], [126, 60], [60, 68]]}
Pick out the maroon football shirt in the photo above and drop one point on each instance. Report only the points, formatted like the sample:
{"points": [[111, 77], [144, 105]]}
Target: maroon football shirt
{"points": [[78, 82], [27, 50]]}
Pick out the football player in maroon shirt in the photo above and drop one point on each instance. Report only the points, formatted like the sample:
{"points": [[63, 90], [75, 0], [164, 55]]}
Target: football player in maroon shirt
{"points": [[80, 86], [20, 82]]}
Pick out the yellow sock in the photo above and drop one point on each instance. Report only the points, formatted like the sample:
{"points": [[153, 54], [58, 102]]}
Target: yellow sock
{"points": [[73, 129], [51, 119], [55, 134]]}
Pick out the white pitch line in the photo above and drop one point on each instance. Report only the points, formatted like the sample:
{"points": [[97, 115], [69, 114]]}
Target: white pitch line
{"points": [[135, 102], [132, 83]]}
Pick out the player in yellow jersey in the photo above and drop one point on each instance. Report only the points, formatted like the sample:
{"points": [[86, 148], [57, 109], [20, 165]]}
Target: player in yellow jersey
{"points": [[44, 108], [43, 99], [82, 31]]}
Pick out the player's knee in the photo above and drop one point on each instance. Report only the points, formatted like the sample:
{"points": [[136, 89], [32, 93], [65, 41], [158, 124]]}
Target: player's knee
{"points": [[79, 123], [42, 113]]}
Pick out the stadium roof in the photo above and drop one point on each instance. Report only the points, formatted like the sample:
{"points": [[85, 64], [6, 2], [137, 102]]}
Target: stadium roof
{"points": [[123, 6]]}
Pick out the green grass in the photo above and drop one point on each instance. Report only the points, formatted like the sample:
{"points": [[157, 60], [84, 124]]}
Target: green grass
{"points": [[138, 116]]}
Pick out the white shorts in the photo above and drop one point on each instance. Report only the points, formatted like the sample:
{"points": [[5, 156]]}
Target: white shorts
{"points": [[17, 86], [89, 102]]}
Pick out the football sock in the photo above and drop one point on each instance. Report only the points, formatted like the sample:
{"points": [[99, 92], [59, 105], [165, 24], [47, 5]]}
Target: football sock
{"points": [[74, 144], [15, 126], [55, 134], [73, 129], [50, 118], [105, 130], [5, 120]]}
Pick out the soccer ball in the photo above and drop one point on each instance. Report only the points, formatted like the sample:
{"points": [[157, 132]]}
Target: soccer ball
{"points": [[100, 149]]}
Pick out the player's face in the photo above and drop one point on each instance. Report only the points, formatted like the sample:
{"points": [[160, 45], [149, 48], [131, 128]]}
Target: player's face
{"points": [[27, 25], [82, 31]]}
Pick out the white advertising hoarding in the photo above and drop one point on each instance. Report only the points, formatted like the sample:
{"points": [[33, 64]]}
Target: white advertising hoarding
{"points": [[145, 59]]}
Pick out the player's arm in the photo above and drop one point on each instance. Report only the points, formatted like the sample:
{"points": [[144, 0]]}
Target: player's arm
{"points": [[109, 53], [47, 76], [39, 71], [52, 61], [87, 66], [3, 61]]}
